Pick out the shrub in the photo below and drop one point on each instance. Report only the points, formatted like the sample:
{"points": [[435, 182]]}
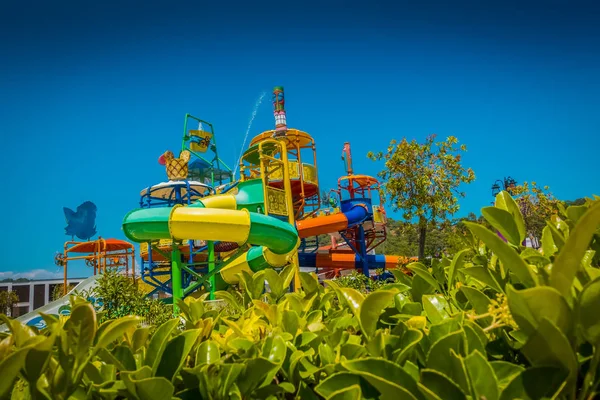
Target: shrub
{"points": [[507, 322], [118, 296], [7, 299]]}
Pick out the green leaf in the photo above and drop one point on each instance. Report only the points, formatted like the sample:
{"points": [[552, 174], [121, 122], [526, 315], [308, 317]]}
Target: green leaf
{"points": [[481, 377], [587, 313], [420, 287], [507, 255], [114, 330], [436, 307], [479, 301], [290, 322], [504, 222], [353, 299], [207, 353], [529, 306], [505, 201], [388, 378], [557, 236], [258, 372], [9, 370], [412, 369], [372, 307], [420, 270], [326, 354], [274, 349], [574, 213], [154, 389], [474, 340], [409, 341], [350, 393], [175, 353], [535, 383], [270, 391], [139, 338], [443, 328], [534, 257], [230, 299], [505, 372], [457, 264], [439, 358], [441, 385], [275, 283], [411, 308], [158, 342], [549, 347], [483, 275], [336, 382], [125, 357], [195, 309], [567, 262], [287, 275], [81, 329], [309, 283], [548, 246]]}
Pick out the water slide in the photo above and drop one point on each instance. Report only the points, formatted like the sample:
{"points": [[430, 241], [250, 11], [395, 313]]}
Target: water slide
{"points": [[61, 306], [223, 217], [332, 223], [356, 214]]}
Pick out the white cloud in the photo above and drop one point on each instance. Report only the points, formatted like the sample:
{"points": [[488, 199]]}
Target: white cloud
{"points": [[32, 274]]}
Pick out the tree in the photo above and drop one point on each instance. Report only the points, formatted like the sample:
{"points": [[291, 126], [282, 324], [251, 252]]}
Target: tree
{"points": [[422, 180], [537, 205], [7, 299]]}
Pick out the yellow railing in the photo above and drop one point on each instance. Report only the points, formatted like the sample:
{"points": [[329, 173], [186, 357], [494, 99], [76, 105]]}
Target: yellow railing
{"points": [[161, 243], [309, 172]]}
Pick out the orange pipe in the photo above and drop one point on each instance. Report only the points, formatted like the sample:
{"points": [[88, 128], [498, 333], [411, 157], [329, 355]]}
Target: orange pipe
{"points": [[347, 260], [322, 225]]}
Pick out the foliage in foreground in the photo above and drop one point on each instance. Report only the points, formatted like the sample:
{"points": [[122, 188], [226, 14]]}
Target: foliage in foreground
{"points": [[498, 321]]}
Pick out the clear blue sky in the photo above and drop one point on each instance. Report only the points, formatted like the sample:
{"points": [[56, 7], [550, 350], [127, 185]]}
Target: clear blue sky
{"points": [[91, 95]]}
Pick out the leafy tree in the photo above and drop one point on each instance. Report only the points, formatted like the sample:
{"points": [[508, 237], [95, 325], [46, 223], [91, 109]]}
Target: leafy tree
{"points": [[537, 205], [121, 296], [58, 291], [422, 180], [7, 299]]}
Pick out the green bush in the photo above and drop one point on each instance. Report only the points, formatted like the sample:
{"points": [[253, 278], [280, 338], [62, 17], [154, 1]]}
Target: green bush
{"points": [[498, 321], [118, 296]]}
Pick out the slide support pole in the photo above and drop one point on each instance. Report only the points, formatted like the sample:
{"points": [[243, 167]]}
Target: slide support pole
{"points": [[176, 277], [211, 266]]}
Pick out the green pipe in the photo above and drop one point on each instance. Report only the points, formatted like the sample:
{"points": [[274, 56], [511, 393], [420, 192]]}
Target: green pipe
{"points": [[211, 267], [176, 278]]}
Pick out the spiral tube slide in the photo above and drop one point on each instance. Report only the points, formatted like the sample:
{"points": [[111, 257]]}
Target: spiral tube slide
{"points": [[216, 218], [332, 223]]}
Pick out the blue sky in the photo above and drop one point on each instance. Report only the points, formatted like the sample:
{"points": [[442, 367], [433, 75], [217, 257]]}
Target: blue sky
{"points": [[92, 94]]}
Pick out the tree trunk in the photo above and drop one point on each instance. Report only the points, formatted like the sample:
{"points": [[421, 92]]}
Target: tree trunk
{"points": [[422, 235]]}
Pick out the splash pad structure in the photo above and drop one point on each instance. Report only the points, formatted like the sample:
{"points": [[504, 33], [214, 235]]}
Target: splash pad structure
{"points": [[202, 229]]}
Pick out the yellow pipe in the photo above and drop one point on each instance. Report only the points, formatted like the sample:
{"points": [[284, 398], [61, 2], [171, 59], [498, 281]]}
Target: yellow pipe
{"points": [[291, 217], [216, 224], [235, 267], [222, 201]]}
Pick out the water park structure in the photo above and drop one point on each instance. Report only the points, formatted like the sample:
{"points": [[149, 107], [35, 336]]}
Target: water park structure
{"points": [[200, 233], [202, 228], [100, 254]]}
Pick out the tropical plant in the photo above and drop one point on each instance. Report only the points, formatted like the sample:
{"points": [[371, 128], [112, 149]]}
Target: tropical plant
{"points": [[498, 321], [423, 180]]}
